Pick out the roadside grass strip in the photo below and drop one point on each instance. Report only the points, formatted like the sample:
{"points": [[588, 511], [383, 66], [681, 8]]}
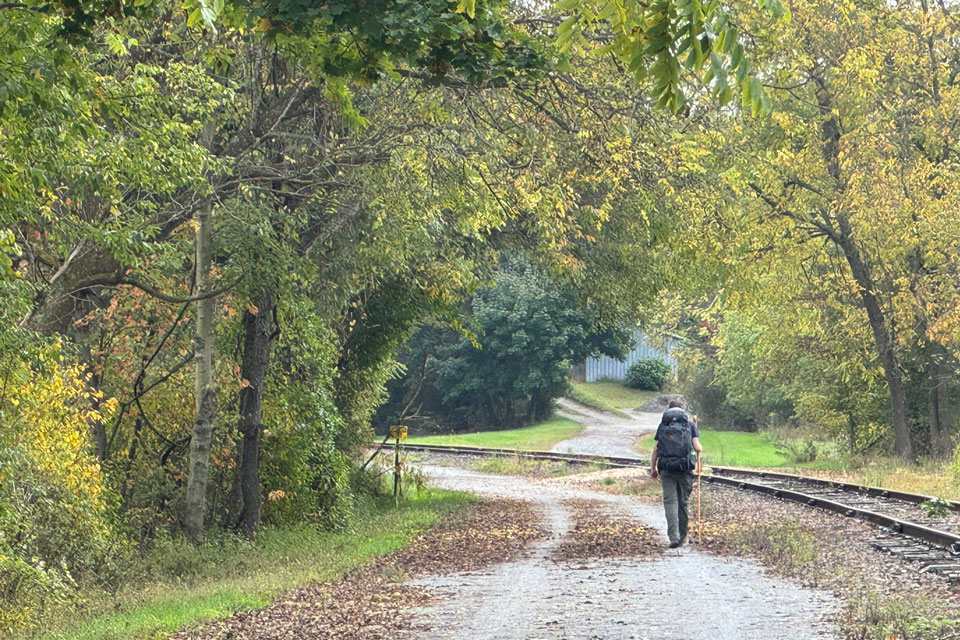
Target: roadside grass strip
{"points": [[609, 395], [732, 448], [537, 437], [184, 586]]}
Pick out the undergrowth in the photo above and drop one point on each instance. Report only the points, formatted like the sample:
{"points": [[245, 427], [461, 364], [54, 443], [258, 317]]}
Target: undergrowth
{"points": [[791, 550], [518, 465], [181, 585], [786, 545], [874, 616]]}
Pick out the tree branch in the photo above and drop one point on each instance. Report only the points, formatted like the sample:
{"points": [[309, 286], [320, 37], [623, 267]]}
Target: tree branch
{"points": [[156, 293]]}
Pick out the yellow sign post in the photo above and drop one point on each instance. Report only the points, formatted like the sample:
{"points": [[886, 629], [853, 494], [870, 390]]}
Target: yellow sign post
{"points": [[398, 432]]}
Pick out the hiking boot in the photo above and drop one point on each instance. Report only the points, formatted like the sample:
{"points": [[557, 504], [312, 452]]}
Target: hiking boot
{"points": [[674, 545], [682, 542]]}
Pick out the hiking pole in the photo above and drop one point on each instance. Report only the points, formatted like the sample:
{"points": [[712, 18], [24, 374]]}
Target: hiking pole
{"points": [[699, 522]]}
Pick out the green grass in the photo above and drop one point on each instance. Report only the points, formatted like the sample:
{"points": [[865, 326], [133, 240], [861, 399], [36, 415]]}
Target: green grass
{"points": [[609, 395], [537, 437], [732, 448], [216, 580], [516, 465]]}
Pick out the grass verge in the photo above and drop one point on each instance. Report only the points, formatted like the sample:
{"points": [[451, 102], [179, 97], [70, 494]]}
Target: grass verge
{"points": [[791, 550], [609, 395], [516, 465], [537, 437], [741, 449], [928, 478], [733, 448], [188, 585], [914, 617]]}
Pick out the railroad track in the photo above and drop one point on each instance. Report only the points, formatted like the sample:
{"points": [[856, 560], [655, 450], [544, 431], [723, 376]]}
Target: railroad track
{"points": [[908, 530]]}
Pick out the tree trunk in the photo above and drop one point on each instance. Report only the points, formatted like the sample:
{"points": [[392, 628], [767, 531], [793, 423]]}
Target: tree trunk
{"points": [[206, 397], [883, 340], [941, 414], [933, 412], [259, 329], [843, 236], [65, 298]]}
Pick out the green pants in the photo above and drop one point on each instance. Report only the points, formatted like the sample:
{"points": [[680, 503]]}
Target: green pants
{"points": [[677, 486]]}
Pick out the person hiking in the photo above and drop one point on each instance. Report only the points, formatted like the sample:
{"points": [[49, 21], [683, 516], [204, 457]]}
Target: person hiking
{"points": [[672, 461]]}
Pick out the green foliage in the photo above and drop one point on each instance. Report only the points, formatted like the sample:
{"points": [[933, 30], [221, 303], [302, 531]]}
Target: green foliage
{"points": [[655, 41], [529, 330], [697, 383], [305, 477], [370, 39], [936, 507], [648, 374], [177, 584], [875, 616], [955, 465], [29, 591], [798, 451], [56, 529], [833, 306]]}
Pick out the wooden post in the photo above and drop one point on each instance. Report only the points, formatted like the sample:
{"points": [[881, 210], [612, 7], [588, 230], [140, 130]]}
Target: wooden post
{"points": [[398, 433], [699, 521]]}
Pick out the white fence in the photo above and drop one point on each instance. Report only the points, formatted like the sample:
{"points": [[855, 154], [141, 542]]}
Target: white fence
{"points": [[607, 367]]}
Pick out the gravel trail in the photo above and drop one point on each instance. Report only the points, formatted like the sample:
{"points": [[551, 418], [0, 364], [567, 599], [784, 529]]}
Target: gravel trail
{"points": [[668, 595], [604, 434]]}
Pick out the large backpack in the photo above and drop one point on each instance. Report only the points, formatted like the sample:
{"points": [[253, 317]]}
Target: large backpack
{"points": [[675, 442]]}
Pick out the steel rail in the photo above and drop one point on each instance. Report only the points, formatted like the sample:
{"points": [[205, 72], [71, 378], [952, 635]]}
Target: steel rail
{"points": [[905, 527], [719, 475], [875, 492]]}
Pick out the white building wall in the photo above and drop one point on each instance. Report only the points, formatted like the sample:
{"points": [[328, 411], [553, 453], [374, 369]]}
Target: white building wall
{"points": [[607, 367]]}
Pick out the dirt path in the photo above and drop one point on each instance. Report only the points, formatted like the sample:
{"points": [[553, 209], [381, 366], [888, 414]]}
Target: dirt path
{"points": [[604, 433], [668, 595]]}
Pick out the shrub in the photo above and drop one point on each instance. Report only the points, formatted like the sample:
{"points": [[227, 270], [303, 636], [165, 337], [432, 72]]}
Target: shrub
{"points": [[787, 545], [936, 507], [56, 530], [529, 328], [798, 451], [648, 374], [27, 589]]}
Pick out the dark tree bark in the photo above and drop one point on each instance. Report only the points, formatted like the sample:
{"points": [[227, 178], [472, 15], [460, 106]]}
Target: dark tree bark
{"points": [[67, 298], [259, 329], [883, 341], [940, 411], [840, 231]]}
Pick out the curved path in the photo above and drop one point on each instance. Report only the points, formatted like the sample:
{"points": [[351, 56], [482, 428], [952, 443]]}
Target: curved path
{"points": [[604, 433], [672, 595]]}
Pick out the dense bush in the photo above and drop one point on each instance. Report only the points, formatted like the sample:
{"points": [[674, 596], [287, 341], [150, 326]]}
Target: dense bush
{"points": [[56, 528], [699, 383], [530, 329], [648, 374]]}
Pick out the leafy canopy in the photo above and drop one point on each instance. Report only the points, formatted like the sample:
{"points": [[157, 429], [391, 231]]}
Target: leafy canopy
{"points": [[656, 41]]}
